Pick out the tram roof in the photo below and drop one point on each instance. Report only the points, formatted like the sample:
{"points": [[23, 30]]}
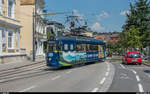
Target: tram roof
{"points": [[80, 40]]}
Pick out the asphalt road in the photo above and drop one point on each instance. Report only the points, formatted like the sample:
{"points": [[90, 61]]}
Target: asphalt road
{"points": [[89, 78], [130, 78]]}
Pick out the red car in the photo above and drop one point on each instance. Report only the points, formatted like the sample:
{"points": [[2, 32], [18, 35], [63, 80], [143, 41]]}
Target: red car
{"points": [[132, 58]]}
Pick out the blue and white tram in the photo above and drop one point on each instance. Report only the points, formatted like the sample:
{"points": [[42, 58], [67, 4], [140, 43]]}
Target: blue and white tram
{"points": [[68, 51]]}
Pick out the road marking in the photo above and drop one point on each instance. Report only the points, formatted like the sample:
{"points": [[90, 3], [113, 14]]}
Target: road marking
{"points": [[56, 77], [95, 90], [68, 72], [122, 66], [133, 71], [107, 73], [140, 88], [103, 80], [27, 89], [137, 77], [108, 69]]}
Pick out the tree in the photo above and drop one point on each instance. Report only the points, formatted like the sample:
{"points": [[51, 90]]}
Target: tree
{"points": [[133, 38], [139, 17], [146, 37]]}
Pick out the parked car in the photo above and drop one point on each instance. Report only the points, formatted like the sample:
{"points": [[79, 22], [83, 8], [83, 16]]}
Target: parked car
{"points": [[132, 57]]}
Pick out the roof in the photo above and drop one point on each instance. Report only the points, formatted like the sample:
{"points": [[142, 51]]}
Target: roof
{"points": [[80, 40], [100, 37]]}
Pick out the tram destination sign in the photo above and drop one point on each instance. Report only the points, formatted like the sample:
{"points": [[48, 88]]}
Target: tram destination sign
{"points": [[51, 42]]}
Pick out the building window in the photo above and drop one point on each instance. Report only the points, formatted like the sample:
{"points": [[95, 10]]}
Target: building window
{"points": [[3, 39], [11, 5], [10, 39], [18, 39]]}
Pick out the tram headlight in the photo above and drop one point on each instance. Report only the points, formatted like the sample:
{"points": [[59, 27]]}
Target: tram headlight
{"points": [[50, 59]]}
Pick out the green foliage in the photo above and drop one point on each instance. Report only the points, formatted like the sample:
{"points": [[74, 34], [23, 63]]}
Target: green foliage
{"points": [[136, 30], [146, 37], [133, 38], [109, 53], [114, 48]]}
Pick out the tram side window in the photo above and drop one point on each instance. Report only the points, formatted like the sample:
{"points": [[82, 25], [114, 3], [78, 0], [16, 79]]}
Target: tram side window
{"points": [[65, 47], [79, 48], [84, 47], [71, 47], [93, 47]]}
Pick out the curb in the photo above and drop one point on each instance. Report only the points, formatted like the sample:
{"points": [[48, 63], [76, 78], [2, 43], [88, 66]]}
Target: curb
{"points": [[146, 64]]}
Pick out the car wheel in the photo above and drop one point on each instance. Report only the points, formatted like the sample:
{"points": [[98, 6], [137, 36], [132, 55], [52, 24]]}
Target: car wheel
{"points": [[140, 63]]}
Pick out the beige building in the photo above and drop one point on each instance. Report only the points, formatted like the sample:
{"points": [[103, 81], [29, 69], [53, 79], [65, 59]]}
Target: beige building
{"points": [[27, 6], [10, 26]]}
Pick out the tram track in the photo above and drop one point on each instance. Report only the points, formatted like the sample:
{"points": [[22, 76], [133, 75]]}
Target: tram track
{"points": [[22, 72], [18, 70]]}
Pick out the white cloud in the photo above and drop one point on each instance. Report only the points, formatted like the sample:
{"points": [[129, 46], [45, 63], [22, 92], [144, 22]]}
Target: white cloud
{"points": [[80, 16], [76, 13], [97, 27], [123, 13], [102, 15]]}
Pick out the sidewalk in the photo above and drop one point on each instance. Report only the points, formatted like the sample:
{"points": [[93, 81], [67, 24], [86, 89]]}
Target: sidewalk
{"points": [[18, 64]]}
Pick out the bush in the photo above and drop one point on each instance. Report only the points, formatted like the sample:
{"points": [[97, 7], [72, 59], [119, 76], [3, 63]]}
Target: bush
{"points": [[109, 53]]}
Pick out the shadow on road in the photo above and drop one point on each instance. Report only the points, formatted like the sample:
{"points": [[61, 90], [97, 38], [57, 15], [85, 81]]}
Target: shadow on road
{"points": [[70, 67], [147, 71]]}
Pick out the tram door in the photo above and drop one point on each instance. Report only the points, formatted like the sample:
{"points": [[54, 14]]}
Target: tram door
{"points": [[100, 51]]}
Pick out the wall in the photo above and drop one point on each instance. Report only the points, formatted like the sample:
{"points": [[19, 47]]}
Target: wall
{"points": [[26, 30]]}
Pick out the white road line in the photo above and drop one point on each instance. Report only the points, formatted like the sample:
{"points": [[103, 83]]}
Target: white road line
{"points": [[107, 73], [137, 77], [27, 89], [95, 90], [56, 77], [103, 80], [108, 69], [68, 72], [122, 66], [140, 88], [133, 71]]}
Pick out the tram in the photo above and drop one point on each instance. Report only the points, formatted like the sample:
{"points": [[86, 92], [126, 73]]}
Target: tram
{"points": [[68, 51]]}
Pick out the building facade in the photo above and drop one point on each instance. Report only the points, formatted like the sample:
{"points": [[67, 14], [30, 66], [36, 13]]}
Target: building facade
{"points": [[28, 7], [10, 26], [55, 29]]}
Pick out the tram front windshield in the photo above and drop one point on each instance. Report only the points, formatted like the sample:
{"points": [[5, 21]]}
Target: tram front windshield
{"points": [[51, 47]]}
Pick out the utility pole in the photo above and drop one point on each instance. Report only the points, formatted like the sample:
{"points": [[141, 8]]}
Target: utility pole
{"points": [[34, 28]]}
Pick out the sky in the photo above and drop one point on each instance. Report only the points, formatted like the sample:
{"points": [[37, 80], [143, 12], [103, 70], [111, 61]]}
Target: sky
{"points": [[101, 15]]}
